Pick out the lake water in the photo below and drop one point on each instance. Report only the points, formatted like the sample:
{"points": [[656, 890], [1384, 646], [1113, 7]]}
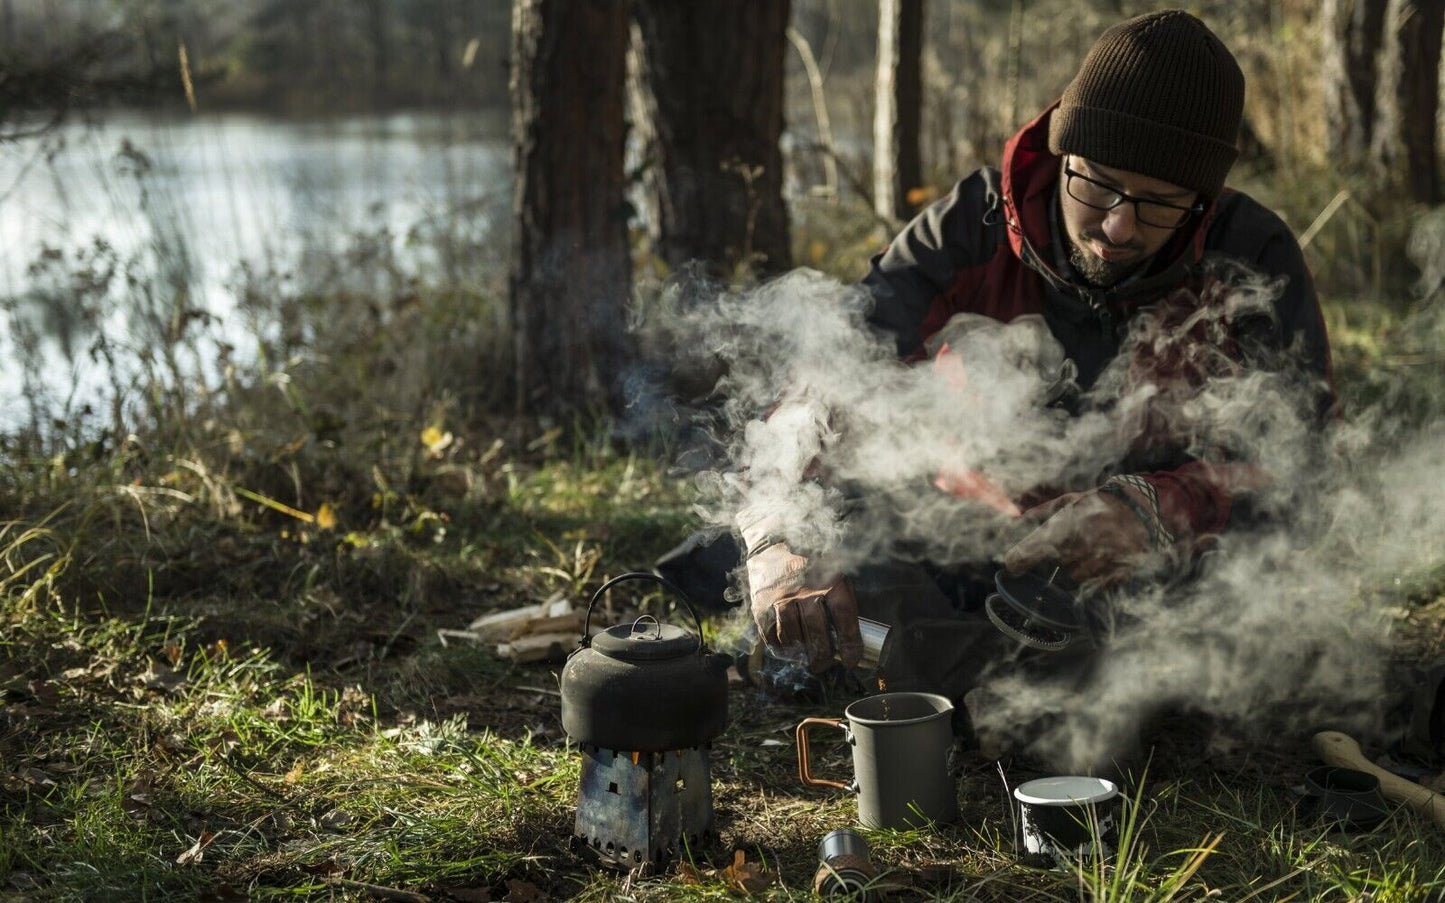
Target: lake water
{"points": [[190, 199]]}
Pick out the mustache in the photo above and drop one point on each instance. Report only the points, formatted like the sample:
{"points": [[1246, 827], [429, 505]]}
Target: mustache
{"points": [[1102, 239]]}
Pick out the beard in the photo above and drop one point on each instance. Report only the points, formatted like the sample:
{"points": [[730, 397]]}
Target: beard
{"points": [[1095, 270]]}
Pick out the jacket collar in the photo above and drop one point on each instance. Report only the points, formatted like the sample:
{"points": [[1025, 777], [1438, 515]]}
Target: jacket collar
{"points": [[1030, 177]]}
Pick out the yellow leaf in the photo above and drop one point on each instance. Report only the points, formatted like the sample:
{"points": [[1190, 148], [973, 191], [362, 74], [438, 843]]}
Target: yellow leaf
{"points": [[326, 516], [436, 441], [921, 195]]}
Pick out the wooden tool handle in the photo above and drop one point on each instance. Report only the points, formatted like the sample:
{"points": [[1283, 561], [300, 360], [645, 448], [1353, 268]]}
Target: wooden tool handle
{"points": [[1339, 749]]}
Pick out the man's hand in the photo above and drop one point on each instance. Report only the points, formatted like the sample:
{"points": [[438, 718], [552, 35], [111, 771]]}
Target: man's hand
{"points": [[789, 612], [1094, 536]]}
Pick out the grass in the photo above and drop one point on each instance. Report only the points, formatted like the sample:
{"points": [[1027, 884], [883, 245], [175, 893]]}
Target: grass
{"points": [[154, 748], [221, 678]]}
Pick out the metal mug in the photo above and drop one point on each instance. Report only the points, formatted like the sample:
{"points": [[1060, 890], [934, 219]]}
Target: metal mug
{"points": [[874, 635], [902, 743]]}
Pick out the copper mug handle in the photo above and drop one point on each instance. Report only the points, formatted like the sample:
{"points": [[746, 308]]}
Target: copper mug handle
{"points": [[805, 771]]}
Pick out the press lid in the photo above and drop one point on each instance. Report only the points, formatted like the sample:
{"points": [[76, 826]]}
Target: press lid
{"points": [[1041, 600], [645, 640], [1066, 790]]}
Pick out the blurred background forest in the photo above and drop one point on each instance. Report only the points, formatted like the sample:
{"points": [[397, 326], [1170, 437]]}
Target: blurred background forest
{"points": [[195, 191]]}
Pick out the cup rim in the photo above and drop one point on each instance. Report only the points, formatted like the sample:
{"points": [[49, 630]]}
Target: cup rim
{"points": [[945, 707], [1066, 790]]}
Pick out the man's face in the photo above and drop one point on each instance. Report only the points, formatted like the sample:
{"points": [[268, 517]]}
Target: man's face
{"points": [[1107, 245]]}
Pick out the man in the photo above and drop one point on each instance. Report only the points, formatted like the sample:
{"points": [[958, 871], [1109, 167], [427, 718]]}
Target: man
{"points": [[1105, 206]]}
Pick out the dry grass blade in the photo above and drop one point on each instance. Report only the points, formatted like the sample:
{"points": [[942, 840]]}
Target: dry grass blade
{"points": [[1190, 866]]}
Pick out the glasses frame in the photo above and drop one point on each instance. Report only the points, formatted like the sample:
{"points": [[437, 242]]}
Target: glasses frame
{"points": [[1120, 198]]}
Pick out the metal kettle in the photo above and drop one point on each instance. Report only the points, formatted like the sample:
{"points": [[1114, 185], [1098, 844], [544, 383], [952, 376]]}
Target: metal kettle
{"points": [[644, 686]]}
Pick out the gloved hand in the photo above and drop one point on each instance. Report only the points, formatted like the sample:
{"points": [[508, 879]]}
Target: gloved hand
{"points": [[1097, 539], [789, 612]]}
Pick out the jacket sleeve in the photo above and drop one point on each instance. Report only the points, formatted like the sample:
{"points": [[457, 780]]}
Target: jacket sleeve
{"points": [[1199, 498], [923, 260]]}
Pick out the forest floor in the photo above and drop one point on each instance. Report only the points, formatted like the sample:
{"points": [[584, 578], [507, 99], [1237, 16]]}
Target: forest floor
{"points": [[208, 692]]}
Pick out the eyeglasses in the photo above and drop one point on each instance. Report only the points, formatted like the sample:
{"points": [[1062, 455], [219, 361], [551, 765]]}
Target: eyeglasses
{"points": [[1101, 197]]}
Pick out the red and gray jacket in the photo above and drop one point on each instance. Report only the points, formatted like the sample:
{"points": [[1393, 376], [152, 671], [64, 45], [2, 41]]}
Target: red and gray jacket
{"points": [[987, 249]]}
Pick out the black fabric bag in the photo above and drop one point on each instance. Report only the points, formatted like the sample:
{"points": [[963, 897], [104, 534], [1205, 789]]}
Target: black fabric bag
{"points": [[702, 566], [1423, 715]]}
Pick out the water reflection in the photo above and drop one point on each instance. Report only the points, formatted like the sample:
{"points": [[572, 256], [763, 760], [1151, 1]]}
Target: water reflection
{"points": [[187, 206]]}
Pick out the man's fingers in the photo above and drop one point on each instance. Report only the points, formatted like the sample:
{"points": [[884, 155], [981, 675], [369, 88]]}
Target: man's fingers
{"points": [[843, 612], [1042, 512], [1031, 551], [788, 623], [803, 622], [814, 618]]}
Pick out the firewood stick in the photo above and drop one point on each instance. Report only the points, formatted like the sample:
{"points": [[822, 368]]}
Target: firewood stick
{"points": [[379, 891], [1339, 749]]}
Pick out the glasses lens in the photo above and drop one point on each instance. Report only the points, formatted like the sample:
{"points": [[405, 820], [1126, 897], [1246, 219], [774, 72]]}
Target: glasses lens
{"points": [[1090, 194], [1161, 215]]}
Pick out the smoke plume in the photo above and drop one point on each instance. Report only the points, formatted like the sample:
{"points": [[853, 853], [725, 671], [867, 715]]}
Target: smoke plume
{"points": [[854, 457]]}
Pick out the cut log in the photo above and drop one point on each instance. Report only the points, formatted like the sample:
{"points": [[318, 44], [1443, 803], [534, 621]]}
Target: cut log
{"points": [[538, 647], [502, 624]]}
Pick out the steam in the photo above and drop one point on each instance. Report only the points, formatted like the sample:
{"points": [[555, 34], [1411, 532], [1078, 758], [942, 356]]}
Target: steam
{"points": [[854, 457], [844, 464]]}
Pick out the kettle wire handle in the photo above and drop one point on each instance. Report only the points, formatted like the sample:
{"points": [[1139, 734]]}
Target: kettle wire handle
{"points": [[639, 575]]}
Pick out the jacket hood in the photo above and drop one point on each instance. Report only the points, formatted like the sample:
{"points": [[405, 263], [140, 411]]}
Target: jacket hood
{"points": [[1030, 175]]}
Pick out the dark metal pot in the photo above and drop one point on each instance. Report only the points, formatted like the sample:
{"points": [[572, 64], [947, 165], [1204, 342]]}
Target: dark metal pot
{"points": [[644, 686]]}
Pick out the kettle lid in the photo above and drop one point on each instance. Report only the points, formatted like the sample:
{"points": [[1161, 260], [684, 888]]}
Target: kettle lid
{"points": [[645, 639]]}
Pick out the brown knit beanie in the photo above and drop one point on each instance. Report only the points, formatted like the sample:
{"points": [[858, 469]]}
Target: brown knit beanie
{"points": [[1159, 95]]}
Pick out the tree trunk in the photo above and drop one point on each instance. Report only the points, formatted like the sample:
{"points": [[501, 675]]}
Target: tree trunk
{"points": [[1352, 33], [571, 266], [376, 27], [709, 80], [1408, 101], [441, 35], [7, 21], [898, 94]]}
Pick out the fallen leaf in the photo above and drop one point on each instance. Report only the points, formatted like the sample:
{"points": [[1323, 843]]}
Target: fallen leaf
{"points": [[326, 517], [46, 692], [686, 874], [294, 774], [436, 441], [469, 894], [17, 690], [173, 653], [519, 891], [137, 799], [35, 777], [224, 743], [921, 195], [745, 876], [163, 678], [197, 850], [328, 867]]}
